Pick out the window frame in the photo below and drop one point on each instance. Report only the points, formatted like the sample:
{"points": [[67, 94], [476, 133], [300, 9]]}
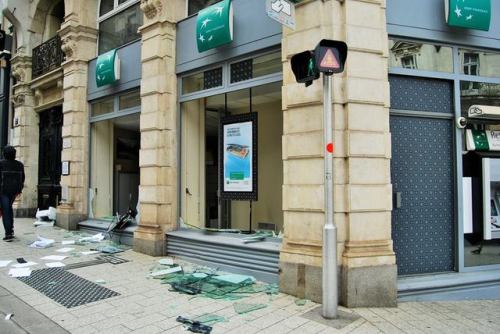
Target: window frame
{"points": [[116, 9]]}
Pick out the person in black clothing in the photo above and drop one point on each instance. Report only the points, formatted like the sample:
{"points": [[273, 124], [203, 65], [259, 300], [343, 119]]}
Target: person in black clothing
{"points": [[11, 185]]}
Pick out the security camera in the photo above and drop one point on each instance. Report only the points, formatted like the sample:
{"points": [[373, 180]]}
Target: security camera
{"points": [[461, 122]]}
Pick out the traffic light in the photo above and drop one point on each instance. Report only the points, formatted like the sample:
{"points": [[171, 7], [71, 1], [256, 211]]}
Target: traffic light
{"points": [[330, 56], [304, 67]]}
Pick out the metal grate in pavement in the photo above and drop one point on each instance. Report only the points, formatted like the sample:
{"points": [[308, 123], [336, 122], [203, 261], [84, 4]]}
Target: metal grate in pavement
{"points": [[98, 260], [66, 288]]}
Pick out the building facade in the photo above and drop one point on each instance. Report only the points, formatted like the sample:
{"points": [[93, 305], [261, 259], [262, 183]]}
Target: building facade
{"points": [[120, 104]]}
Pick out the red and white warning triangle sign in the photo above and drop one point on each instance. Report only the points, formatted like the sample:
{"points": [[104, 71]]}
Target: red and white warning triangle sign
{"points": [[329, 60]]}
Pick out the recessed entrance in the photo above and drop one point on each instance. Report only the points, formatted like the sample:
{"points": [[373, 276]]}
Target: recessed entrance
{"points": [[201, 204]]}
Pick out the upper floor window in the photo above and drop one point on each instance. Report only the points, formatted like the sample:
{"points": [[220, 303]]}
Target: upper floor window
{"points": [[119, 22], [194, 6], [471, 63]]}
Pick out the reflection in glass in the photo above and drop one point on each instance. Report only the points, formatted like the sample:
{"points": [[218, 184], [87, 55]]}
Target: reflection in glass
{"points": [[130, 100], [256, 67], [420, 56], [481, 202], [201, 81], [196, 5], [471, 93], [480, 63], [102, 107], [120, 29], [106, 6]]}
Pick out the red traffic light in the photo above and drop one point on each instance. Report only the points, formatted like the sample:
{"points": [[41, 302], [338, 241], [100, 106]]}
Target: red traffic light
{"points": [[304, 67], [330, 56]]}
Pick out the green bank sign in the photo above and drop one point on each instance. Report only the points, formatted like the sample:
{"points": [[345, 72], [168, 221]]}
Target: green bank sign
{"points": [[214, 26], [469, 14], [107, 68], [479, 140]]}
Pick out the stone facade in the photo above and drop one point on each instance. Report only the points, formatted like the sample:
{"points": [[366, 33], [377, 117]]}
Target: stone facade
{"points": [[362, 187], [158, 155]]}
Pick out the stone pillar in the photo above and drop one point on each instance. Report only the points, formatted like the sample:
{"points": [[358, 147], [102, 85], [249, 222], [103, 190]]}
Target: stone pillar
{"points": [[25, 133], [79, 41], [368, 264], [362, 189], [158, 154]]}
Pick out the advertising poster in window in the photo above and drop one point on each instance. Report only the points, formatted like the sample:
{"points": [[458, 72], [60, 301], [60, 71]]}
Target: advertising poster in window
{"points": [[238, 149]]}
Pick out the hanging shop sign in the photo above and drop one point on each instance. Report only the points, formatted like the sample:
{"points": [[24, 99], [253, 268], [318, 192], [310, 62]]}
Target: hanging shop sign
{"points": [[214, 26], [238, 146], [479, 140], [282, 11], [107, 68], [468, 14]]}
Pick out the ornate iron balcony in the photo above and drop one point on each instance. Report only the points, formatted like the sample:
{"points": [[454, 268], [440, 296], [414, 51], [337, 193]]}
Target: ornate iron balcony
{"points": [[47, 57]]}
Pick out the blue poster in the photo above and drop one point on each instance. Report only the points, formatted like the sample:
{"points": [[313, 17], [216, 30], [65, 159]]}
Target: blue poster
{"points": [[238, 157]]}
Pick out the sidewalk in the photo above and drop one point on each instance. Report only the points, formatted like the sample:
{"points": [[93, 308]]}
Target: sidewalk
{"points": [[147, 306]]}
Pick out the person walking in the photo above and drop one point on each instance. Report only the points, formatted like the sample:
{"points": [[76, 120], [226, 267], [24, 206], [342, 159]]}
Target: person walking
{"points": [[11, 185]]}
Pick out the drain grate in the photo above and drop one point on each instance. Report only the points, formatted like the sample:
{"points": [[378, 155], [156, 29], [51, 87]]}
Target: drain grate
{"points": [[98, 260], [66, 288]]}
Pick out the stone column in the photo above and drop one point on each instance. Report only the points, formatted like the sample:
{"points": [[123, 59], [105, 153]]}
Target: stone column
{"points": [[158, 154], [25, 133], [368, 264], [362, 189], [79, 41]]}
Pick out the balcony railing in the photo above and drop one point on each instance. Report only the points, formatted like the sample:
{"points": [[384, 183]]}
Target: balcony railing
{"points": [[47, 57]]}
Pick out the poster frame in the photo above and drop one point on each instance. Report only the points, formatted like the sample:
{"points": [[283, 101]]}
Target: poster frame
{"points": [[239, 195]]}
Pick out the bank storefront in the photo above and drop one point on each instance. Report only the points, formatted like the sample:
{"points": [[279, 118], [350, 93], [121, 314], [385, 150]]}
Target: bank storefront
{"points": [[229, 140], [445, 98]]}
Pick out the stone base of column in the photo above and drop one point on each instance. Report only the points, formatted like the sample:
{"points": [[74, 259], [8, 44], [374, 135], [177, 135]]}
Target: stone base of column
{"points": [[24, 212], [149, 240], [67, 218], [369, 286], [301, 280]]}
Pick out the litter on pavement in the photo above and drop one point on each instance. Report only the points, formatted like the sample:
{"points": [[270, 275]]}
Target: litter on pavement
{"points": [[55, 264], [68, 242], [42, 242], [53, 257], [242, 308], [161, 273], [194, 326], [19, 272], [24, 265], [4, 263], [8, 316], [65, 250], [166, 262]]}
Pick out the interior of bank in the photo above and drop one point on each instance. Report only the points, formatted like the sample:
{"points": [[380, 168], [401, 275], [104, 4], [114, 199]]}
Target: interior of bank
{"points": [[201, 205]]}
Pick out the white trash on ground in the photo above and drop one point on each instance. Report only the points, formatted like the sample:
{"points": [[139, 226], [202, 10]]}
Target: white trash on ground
{"points": [[42, 242]]}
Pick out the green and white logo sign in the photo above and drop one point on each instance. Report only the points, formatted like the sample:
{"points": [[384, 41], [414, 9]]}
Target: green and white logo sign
{"points": [[469, 14], [479, 140], [214, 26], [107, 68]]}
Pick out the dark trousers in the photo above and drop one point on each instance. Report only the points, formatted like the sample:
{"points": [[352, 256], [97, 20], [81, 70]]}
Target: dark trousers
{"points": [[8, 214]]}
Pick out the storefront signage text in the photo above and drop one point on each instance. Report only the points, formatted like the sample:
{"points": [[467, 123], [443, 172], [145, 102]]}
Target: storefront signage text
{"points": [[468, 14], [107, 68], [214, 26]]}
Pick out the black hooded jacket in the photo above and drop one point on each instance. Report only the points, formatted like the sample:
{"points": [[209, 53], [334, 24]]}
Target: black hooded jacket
{"points": [[11, 177]]}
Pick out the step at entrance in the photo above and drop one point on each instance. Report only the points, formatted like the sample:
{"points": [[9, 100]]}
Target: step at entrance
{"points": [[227, 252]]}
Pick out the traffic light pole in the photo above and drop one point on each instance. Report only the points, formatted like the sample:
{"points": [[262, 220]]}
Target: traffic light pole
{"points": [[330, 285]]}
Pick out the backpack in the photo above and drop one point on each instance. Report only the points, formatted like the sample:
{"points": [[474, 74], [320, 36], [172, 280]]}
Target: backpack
{"points": [[11, 182]]}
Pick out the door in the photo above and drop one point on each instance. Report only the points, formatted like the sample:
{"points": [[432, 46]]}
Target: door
{"points": [[422, 172], [49, 161], [193, 161]]}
